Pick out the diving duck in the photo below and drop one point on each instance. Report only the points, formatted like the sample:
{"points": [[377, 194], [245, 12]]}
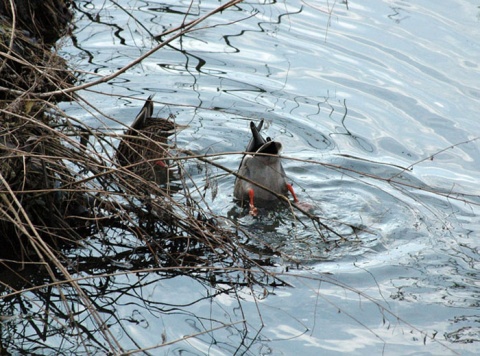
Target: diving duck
{"points": [[262, 165], [144, 147]]}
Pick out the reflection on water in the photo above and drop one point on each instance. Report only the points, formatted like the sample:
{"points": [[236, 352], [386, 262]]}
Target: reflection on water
{"points": [[376, 108]]}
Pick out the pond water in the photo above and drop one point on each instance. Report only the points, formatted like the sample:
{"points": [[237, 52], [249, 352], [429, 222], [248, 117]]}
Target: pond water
{"points": [[376, 105]]}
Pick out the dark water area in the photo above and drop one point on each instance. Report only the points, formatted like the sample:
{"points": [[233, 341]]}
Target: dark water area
{"points": [[376, 105]]}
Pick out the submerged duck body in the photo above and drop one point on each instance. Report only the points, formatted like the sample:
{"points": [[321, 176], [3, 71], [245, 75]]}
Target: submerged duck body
{"points": [[144, 147], [262, 165]]}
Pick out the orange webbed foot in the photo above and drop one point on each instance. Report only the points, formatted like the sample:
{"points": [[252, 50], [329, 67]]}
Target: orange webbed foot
{"points": [[290, 189], [302, 205], [253, 210]]}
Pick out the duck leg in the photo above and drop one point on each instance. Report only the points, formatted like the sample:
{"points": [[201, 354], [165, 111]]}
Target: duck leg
{"points": [[253, 210], [290, 189], [302, 205]]}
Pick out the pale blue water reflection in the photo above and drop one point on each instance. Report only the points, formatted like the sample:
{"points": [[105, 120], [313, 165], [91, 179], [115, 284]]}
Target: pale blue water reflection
{"points": [[383, 89]]}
